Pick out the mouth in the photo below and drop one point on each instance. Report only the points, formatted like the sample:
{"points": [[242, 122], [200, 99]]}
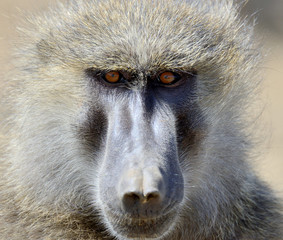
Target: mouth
{"points": [[141, 228]]}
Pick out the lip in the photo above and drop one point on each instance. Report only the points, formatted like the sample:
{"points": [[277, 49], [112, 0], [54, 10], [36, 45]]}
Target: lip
{"points": [[141, 227]]}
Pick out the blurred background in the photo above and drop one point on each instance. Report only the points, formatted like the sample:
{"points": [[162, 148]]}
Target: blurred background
{"points": [[269, 15]]}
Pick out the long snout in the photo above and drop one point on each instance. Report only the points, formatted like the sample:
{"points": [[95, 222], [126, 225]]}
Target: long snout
{"points": [[141, 156]]}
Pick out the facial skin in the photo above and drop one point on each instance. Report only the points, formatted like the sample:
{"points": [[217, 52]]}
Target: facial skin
{"points": [[143, 189]]}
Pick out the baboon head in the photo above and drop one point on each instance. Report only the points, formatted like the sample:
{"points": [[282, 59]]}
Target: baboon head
{"points": [[125, 111]]}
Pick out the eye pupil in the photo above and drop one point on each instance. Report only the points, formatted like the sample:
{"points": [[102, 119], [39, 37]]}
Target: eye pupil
{"points": [[167, 77], [112, 76]]}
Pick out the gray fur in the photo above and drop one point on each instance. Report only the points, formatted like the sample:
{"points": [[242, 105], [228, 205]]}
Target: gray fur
{"points": [[51, 168]]}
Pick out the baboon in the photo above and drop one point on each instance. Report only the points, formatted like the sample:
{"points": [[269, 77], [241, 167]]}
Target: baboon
{"points": [[129, 120]]}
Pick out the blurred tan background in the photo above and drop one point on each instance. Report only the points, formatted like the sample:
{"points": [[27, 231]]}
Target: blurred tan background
{"points": [[270, 17]]}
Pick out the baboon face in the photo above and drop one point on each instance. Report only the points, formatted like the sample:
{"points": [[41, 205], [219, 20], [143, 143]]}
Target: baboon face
{"points": [[140, 181], [117, 93], [139, 114]]}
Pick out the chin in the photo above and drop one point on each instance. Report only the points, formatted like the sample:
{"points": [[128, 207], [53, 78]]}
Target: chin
{"points": [[126, 228]]}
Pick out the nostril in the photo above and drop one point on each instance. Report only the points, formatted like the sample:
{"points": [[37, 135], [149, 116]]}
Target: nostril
{"points": [[132, 196], [135, 197], [131, 200], [152, 196]]}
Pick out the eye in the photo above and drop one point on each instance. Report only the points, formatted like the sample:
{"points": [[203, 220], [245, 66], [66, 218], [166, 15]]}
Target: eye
{"points": [[112, 77], [168, 78]]}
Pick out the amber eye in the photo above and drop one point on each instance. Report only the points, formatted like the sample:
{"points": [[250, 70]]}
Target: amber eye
{"points": [[112, 77], [168, 77]]}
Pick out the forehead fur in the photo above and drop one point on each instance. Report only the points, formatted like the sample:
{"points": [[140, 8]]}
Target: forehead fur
{"points": [[141, 35]]}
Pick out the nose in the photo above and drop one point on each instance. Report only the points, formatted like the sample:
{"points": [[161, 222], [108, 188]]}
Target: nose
{"points": [[143, 192]]}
